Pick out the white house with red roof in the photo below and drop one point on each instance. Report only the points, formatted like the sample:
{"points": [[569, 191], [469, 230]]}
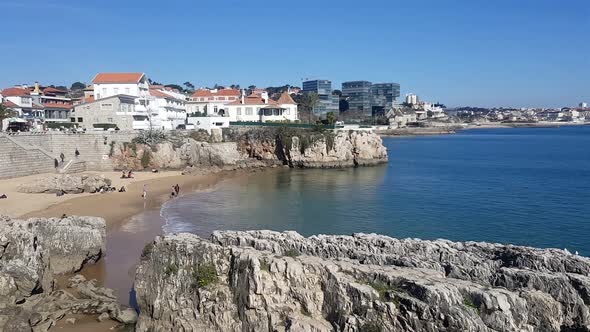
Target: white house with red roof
{"points": [[211, 102], [261, 108], [112, 84], [171, 108]]}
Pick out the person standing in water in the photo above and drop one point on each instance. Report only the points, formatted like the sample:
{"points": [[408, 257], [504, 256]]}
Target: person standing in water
{"points": [[145, 189]]}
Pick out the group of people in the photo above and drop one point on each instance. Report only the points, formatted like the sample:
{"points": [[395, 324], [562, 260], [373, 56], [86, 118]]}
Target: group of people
{"points": [[63, 158], [175, 191], [128, 175]]}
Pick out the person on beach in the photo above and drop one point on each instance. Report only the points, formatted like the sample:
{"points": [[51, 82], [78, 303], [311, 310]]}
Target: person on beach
{"points": [[77, 153], [177, 189], [124, 175], [55, 163], [62, 157], [130, 174], [122, 190], [145, 189]]}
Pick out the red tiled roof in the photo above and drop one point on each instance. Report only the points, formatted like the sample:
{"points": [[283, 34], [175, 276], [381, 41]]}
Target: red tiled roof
{"points": [[9, 104], [56, 105], [158, 93], [253, 100], [285, 99], [117, 77], [156, 86], [53, 90], [221, 92], [13, 92]]}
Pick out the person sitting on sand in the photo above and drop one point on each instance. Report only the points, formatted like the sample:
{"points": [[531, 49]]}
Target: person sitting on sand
{"points": [[154, 170], [172, 194], [124, 175], [130, 174], [63, 216], [3, 196], [122, 190]]}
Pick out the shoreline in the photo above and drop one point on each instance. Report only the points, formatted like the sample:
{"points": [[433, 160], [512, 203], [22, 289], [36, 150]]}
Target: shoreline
{"points": [[453, 129]]}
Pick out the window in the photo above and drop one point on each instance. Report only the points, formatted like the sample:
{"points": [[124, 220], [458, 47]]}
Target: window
{"points": [[239, 111], [248, 110], [215, 109], [197, 108], [258, 111], [109, 119], [80, 120], [221, 98], [106, 107], [72, 119], [127, 91], [116, 91]]}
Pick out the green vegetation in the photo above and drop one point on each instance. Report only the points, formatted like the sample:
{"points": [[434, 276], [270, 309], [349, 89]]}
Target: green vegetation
{"points": [[292, 253], [171, 269], [264, 266], [5, 113], [147, 250], [468, 302], [204, 275], [331, 118], [146, 158], [371, 327], [57, 125], [384, 289]]}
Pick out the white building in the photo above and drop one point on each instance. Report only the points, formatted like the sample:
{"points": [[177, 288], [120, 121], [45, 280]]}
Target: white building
{"points": [[171, 110], [583, 105], [411, 99], [261, 108], [211, 102], [112, 84]]}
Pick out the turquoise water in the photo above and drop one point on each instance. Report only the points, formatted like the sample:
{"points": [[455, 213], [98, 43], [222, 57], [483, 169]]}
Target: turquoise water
{"points": [[523, 186]]}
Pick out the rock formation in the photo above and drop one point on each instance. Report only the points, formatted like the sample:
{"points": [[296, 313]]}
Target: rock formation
{"points": [[32, 252], [66, 183], [269, 281]]}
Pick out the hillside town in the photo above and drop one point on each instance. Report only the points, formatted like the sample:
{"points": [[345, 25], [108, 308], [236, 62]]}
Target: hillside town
{"points": [[132, 101]]}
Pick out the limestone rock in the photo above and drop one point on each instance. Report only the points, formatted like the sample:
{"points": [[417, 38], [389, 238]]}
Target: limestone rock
{"points": [[67, 183], [210, 154], [269, 281]]}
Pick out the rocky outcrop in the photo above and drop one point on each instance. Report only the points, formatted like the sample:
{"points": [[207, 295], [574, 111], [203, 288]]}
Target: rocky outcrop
{"points": [[66, 183], [32, 253], [269, 281], [288, 146]]}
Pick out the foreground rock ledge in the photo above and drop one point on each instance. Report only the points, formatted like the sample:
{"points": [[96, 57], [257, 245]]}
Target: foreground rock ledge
{"points": [[32, 253], [269, 281]]}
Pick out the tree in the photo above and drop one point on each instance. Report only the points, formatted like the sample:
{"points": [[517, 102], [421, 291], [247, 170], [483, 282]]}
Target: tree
{"points": [[337, 93], [331, 117], [189, 86], [5, 113], [343, 105], [78, 86], [235, 86], [174, 86], [309, 102]]}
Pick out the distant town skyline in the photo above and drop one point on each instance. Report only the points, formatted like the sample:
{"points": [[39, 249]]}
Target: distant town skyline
{"points": [[503, 53]]}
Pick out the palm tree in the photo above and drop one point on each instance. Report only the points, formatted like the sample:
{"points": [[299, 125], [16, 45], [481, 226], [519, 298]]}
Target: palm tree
{"points": [[309, 102]]}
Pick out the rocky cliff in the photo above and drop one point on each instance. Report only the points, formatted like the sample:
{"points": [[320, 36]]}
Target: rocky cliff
{"points": [[66, 183], [293, 147], [269, 281], [32, 253]]}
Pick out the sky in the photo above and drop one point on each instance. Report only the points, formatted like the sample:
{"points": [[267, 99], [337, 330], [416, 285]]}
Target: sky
{"points": [[525, 53]]}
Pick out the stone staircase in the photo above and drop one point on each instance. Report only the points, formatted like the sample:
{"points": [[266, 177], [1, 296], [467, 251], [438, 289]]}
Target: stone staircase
{"points": [[17, 159], [73, 166]]}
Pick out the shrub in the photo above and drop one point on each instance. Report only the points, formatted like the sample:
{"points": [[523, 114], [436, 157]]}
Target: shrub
{"points": [[383, 289], [150, 137], [147, 250], [204, 275], [468, 302], [145, 159], [292, 253], [264, 266], [171, 269]]}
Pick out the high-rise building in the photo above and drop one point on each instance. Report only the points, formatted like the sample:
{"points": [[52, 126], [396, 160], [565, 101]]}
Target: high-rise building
{"points": [[358, 95], [411, 99], [369, 98], [383, 97], [583, 105], [328, 102]]}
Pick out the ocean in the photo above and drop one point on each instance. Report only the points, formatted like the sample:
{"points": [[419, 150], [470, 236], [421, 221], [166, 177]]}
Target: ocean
{"points": [[525, 186]]}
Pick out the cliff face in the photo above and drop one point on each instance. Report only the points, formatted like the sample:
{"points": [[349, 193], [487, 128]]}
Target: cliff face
{"points": [[32, 252], [269, 281], [296, 148]]}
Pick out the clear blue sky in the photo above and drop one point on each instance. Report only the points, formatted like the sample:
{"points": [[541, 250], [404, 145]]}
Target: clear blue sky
{"points": [[472, 52]]}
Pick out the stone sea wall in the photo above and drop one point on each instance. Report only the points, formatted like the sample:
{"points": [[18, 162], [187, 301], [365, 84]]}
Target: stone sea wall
{"points": [[269, 281]]}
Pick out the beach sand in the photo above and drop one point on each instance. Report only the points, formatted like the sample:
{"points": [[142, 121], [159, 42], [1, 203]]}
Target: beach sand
{"points": [[132, 222]]}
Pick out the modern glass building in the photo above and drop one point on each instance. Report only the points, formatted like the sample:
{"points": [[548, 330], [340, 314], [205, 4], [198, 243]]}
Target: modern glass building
{"points": [[383, 97], [369, 98], [328, 102], [358, 95]]}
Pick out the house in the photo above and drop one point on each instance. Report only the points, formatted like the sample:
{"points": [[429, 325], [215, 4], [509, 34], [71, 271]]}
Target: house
{"points": [[112, 84], [170, 106], [112, 112], [261, 108], [56, 104], [211, 102], [21, 103], [400, 117]]}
